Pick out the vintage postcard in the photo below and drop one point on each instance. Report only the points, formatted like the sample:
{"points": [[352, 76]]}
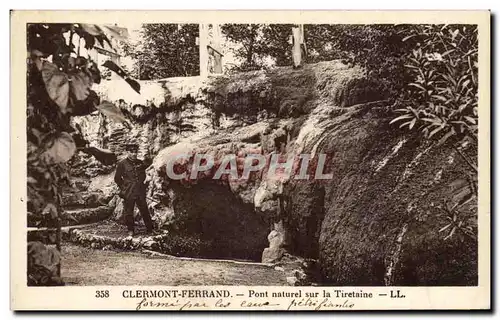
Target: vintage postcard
{"points": [[250, 160]]}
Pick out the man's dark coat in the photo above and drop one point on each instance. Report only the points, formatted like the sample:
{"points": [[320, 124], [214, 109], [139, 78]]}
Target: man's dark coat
{"points": [[130, 175]]}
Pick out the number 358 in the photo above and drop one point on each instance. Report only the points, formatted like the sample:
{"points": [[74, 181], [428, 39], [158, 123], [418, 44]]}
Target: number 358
{"points": [[102, 294]]}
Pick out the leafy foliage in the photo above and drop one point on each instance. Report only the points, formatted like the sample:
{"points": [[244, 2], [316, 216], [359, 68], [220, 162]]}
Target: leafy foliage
{"points": [[429, 73], [441, 100], [165, 50], [378, 48], [253, 43], [42, 264], [59, 87], [248, 36], [278, 45]]}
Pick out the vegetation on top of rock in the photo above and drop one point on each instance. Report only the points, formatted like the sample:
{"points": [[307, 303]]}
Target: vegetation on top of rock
{"points": [[441, 102], [442, 98]]}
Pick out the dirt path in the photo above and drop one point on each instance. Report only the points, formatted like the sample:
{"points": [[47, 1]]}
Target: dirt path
{"points": [[84, 266]]}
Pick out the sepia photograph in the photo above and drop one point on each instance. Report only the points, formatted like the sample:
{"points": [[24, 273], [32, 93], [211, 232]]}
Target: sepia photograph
{"points": [[312, 155]]}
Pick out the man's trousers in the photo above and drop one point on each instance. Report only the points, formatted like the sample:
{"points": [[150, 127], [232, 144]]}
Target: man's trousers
{"points": [[128, 212]]}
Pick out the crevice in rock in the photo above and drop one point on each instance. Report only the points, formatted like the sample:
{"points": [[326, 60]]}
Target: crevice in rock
{"points": [[305, 207], [393, 260]]}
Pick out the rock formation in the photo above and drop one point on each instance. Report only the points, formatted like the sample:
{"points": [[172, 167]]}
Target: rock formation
{"points": [[377, 221]]}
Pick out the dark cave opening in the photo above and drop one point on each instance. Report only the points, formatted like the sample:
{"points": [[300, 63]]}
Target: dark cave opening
{"points": [[219, 224]]}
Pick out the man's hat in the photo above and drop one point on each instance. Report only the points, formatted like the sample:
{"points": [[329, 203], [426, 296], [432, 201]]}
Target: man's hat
{"points": [[131, 147]]}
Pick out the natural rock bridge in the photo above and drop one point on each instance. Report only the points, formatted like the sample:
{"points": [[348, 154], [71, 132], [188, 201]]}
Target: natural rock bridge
{"points": [[368, 225]]}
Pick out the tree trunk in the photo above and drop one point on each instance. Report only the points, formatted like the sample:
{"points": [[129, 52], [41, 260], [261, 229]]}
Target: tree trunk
{"points": [[250, 52]]}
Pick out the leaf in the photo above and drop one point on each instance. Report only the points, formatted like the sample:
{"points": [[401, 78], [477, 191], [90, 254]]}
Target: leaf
{"points": [[89, 41], [35, 200], [94, 71], [406, 116], [445, 227], [439, 97], [37, 53], [51, 210], [406, 123], [134, 85], [465, 140], [466, 82], [450, 78], [401, 110], [446, 136], [410, 66], [100, 40], [459, 122], [408, 37], [81, 61], [80, 85], [462, 78], [432, 120], [447, 52], [430, 74], [91, 29], [417, 53], [85, 107], [435, 131], [116, 32], [115, 68], [36, 56], [414, 112], [451, 233], [119, 71], [31, 180], [110, 110], [470, 119], [413, 123], [105, 39], [61, 150], [57, 84], [418, 86]]}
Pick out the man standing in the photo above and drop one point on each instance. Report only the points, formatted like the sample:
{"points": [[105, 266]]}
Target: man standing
{"points": [[130, 175]]}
